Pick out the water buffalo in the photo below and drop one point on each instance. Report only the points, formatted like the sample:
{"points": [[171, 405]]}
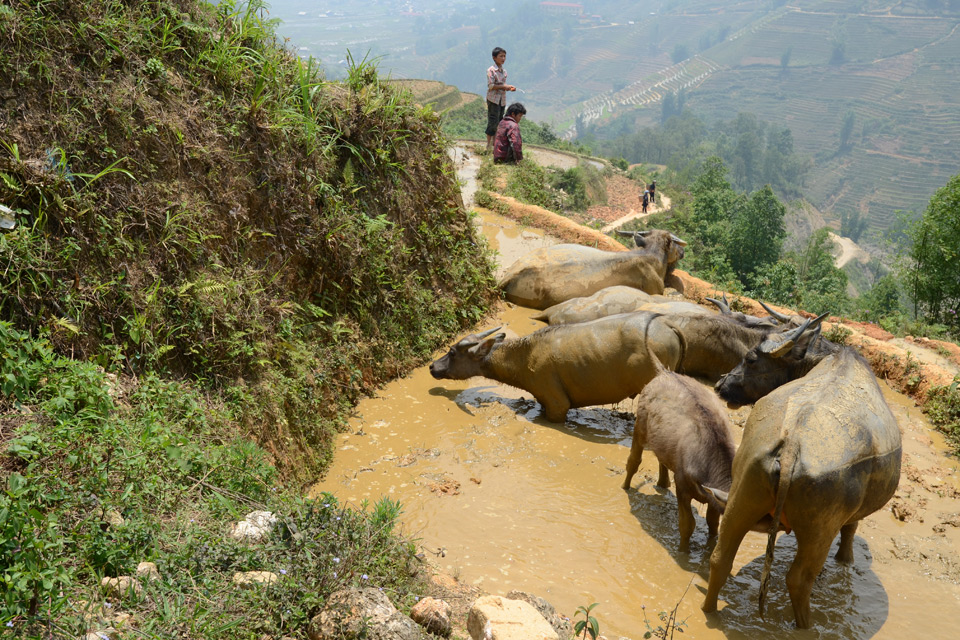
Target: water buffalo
{"points": [[606, 302], [715, 344], [551, 275], [687, 428], [569, 366], [622, 299], [818, 454]]}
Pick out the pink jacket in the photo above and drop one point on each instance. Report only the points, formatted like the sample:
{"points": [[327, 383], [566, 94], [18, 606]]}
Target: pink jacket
{"points": [[508, 133]]}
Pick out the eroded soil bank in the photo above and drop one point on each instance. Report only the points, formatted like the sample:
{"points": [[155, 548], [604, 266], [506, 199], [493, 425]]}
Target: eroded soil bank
{"points": [[507, 500]]}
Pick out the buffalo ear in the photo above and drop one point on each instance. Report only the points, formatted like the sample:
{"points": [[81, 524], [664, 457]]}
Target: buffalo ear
{"points": [[777, 350], [487, 345]]}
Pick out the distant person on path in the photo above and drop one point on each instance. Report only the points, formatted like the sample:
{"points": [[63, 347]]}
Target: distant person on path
{"points": [[508, 145], [497, 88], [653, 192], [645, 199]]}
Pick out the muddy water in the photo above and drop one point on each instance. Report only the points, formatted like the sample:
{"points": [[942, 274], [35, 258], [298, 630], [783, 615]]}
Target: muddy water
{"points": [[507, 500]]}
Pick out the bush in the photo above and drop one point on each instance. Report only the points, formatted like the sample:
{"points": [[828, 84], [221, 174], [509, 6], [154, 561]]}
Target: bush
{"points": [[943, 407]]}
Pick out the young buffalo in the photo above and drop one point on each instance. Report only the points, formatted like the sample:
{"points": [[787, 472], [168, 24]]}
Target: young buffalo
{"points": [[686, 427]]}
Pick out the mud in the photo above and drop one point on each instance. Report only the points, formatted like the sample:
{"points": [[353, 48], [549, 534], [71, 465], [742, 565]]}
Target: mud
{"points": [[502, 499]]}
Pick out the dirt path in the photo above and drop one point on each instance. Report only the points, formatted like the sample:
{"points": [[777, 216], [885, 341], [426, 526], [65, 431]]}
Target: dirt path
{"points": [[665, 204], [849, 250]]}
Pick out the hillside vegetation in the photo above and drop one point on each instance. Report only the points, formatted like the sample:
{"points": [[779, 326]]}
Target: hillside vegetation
{"points": [[214, 251]]}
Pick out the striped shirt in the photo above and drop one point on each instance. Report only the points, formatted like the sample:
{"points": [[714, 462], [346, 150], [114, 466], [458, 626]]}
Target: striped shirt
{"points": [[496, 76]]}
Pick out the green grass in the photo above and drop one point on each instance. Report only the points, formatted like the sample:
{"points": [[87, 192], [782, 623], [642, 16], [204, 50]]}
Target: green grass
{"points": [[247, 247]]}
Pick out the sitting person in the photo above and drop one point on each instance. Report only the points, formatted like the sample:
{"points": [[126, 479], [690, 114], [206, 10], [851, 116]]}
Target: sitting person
{"points": [[507, 144]]}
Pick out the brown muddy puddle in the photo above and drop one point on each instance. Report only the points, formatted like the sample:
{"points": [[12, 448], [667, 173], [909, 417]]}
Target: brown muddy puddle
{"points": [[507, 500]]}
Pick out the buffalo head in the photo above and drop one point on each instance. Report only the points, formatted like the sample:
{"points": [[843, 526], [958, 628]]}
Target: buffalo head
{"points": [[465, 359], [656, 240], [780, 358]]}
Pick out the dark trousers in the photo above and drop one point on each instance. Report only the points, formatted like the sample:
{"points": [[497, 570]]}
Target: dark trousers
{"points": [[494, 116]]}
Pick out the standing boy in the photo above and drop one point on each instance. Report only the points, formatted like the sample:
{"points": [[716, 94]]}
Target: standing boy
{"points": [[497, 88]]}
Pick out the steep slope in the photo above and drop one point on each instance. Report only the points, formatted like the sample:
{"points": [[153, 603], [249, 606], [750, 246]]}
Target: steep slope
{"points": [[192, 197]]}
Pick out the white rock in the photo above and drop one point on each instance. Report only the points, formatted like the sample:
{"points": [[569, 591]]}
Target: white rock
{"points": [[254, 578], [148, 571], [256, 526], [121, 586], [497, 618]]}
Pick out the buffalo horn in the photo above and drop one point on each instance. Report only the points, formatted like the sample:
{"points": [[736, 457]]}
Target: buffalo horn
{"points": [[625, 233], [780, 347], [644, 234], [722, 305], [816, 321], [677, 240], [779, 316], [481, 336]]}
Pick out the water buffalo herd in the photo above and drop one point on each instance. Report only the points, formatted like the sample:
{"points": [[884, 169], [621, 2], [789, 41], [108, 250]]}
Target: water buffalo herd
{"points": [[820, 450]]}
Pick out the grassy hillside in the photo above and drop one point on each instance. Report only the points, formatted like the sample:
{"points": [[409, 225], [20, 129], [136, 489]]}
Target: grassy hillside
{"points": [[215, 252], [193, 198]]}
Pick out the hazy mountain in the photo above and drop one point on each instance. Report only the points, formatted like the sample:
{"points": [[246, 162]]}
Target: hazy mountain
{"points": [[869, 89]]}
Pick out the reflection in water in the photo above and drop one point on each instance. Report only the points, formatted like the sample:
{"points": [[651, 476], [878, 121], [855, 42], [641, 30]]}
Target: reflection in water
{"points": [[521, 503]]}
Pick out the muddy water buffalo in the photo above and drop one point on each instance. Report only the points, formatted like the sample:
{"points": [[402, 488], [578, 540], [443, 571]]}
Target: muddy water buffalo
{"points": [[715, 344], [687, 428], [819, 454], [606, 302], [569, 366], [551, 275], [621, 299]]}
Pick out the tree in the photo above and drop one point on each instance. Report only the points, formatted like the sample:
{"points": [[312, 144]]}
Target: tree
{"points": [[846, 129], [757, 233], [852, 225], [882, 300], [668, 107], [785, 59], [680, 53], [933, 263], [823, 285]]}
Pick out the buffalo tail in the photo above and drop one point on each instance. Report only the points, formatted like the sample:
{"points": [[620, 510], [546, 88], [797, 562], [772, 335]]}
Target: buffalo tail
{"points": [[789, 455]]}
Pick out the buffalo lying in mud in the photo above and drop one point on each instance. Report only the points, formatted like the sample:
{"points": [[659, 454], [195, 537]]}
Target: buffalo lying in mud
{"points": [[569, 366], [687, 428], [819, 454], [621, 299], [551, 275]]}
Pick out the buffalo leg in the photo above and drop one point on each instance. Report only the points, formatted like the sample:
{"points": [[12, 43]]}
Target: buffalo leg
{"points": [[845, 552], [556, 407], [633, 461], [739, 518], [664, 480], [713, 521], [685, 517], [812, 551]]}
